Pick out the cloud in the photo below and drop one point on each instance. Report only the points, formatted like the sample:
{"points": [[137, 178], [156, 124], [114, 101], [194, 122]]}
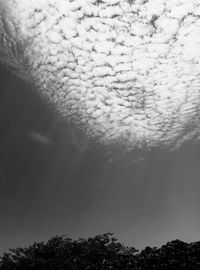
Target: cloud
{"points": [[40, 138], [123, 73]]}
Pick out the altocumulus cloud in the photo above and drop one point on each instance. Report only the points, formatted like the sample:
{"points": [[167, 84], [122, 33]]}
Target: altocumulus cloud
{"points": [[122, 73]]}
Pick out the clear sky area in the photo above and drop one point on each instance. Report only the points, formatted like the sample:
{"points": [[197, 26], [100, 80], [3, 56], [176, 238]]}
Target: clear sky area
{"points": [[48, 187]]}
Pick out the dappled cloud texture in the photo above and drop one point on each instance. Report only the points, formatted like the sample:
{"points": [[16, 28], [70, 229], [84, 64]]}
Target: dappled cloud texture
{"points": [[122, 73]]}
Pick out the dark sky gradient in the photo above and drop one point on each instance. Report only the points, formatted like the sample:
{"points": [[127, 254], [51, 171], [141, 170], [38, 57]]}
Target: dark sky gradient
{"points": [[47, 187]]}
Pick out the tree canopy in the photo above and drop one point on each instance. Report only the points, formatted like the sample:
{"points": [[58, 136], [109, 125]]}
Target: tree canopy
{"points": [[101, 252]]}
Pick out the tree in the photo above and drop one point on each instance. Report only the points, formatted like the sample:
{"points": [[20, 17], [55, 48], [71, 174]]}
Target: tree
{"points": [[61, 252], [102, 252]]}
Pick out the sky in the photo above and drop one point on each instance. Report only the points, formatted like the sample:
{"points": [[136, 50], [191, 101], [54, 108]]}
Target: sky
{"points": [[48, 187]]}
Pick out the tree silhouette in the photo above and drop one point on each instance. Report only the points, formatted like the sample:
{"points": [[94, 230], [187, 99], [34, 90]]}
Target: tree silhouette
{"points": [[102, 252]]}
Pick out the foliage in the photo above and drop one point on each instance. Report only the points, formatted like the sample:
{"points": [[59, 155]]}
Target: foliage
{"points": [[102, 252]]}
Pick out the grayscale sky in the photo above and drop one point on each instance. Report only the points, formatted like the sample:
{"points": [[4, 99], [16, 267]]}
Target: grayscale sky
{"points": [[48, 188]]}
